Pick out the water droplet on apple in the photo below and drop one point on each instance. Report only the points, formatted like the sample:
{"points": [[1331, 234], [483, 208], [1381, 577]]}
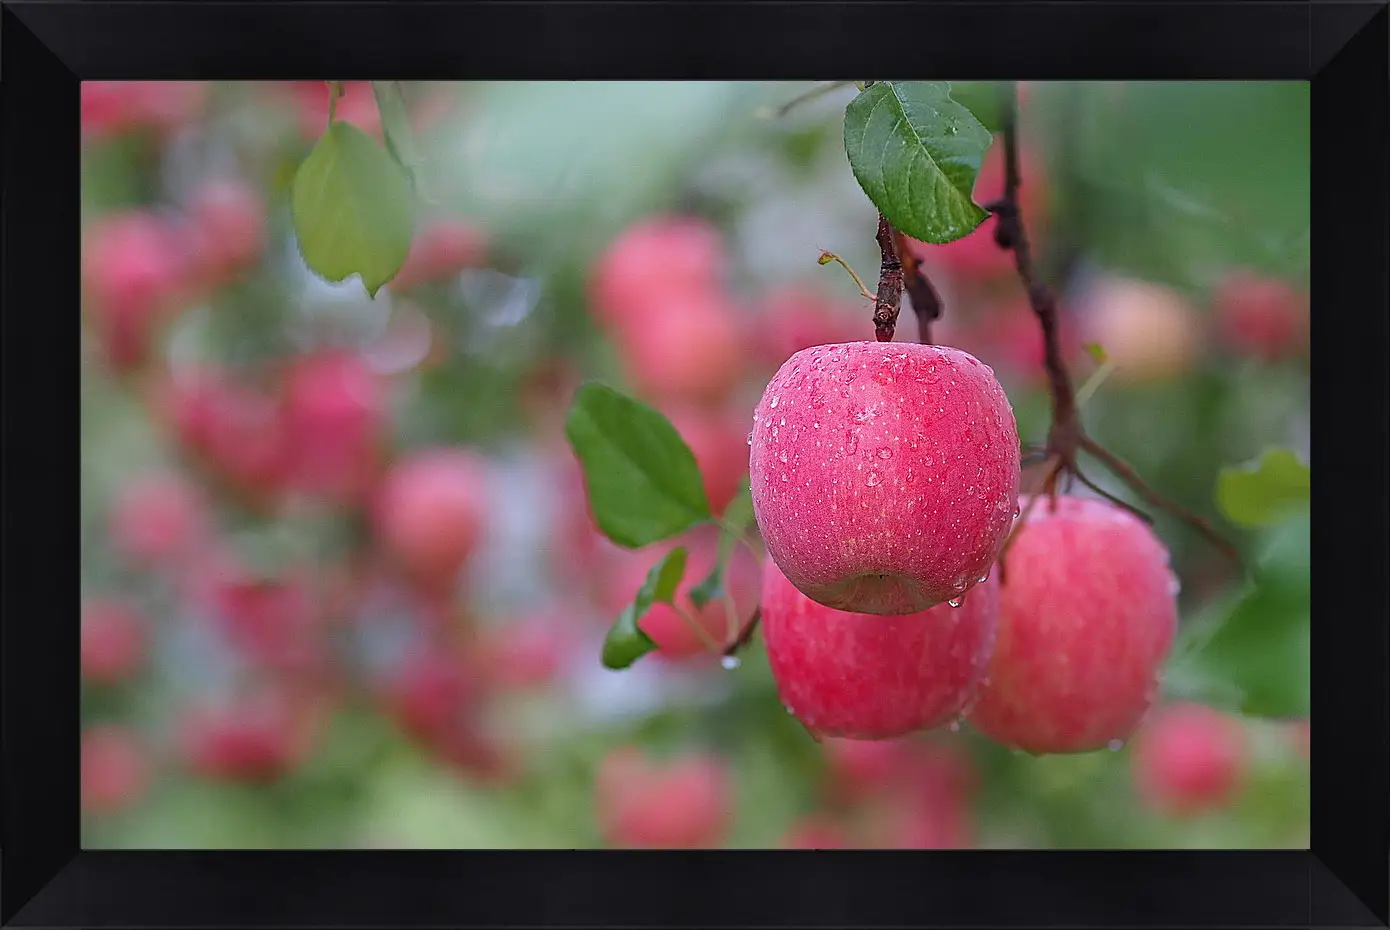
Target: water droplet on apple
{"points": [[982, 579], [873, 479], [954, 726], [750, 439], [730, 662], [885, 452], [852, 444], [1115, 745], [774, 404], [782, 457], [1175, 586], [815, 424], [956, 601]]}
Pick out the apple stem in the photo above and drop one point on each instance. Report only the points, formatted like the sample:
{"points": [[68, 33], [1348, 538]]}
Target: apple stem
{"points": [[922, 296], [889, 300], [807, 96], [828, 257], [1066, 437], [746, 634]]}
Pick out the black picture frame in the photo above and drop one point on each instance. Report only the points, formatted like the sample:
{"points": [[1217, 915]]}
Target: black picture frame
{"points": [[47, 48]]}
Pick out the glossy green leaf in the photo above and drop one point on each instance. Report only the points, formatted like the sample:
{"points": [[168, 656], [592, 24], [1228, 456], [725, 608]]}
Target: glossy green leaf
{"points": [[353, 209], [1264, 491], [983, 99], [626, 642], [396, 128], [1251, 654], [641, 477], [916, 152]]}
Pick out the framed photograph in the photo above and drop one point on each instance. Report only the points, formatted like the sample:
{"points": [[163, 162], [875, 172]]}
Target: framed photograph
{"points": [[720, 464]]}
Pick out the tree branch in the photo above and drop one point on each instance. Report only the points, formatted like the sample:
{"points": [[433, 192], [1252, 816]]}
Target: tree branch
{"points": [[926, 302], [889, 299]]}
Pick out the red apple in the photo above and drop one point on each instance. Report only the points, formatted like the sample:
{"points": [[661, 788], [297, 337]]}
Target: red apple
{"points": [[113, 640], [430, 511], [158, 519], [1189, 759], [271, 621], [659, 256], [686, 346], [334, 414], [525, 654], [684, 803], [1261, 316], [884, 475], [112, 107], [133, 274], [719, 441], [115, 769], [674, 637], [1087, 618], [228, 220], [432, 695], [861, 768], [256, 738], [873, 677]]}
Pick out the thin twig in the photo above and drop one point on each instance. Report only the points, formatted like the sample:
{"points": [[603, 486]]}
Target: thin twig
{"points": [[926, 302], [1127, 474], [1125, 505], [827, 257], [746, 635], [807, 96]]}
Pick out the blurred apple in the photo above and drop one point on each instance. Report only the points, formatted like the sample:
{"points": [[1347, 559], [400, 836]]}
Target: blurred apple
{"points": [[113, 640], [1148, 331], [653, 259], [335, 410], [1262, 317], [158, 519], [134, 278], [681, 803], [227, 229], [115, 769]]}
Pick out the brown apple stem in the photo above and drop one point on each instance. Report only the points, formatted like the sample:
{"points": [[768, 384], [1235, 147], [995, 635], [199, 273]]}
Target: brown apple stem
{"points": [[746, 635], [806, 97], [889, 299], [926, 302], [1065, 436]]}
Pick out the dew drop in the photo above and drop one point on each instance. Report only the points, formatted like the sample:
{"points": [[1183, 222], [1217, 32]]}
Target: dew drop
{"points": [[954, 726], [815, 424], [818, 400], [1175, 586], [774, 404], [782, 457], [885, 452], [956, 601], [852, 444], [1115, 745], [982, 579], [873, 479], [750, 439], [730, 662]]}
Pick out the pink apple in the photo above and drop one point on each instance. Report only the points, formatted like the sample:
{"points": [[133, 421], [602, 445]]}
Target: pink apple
{"points": [[1259, 316], [442, 248], [113, 107], [133, 274], [431, 695], [113, 640], [228, 229], [666, 626], [875, 677], [861, 768], [659, 256], [271, 621], [719, 441], [682, 803], [1148, 331], [430, 512], [115, 769], [527, 653], [158, 519], [335, 410], [884, 475], [687, 346], [256, 738], [1087, 618], [1188, 759]]}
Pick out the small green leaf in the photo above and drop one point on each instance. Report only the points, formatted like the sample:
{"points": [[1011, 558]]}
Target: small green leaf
{"points": [[352, 209], [982, 98], [396, 128], [1097, 353], [626, 642], [710, 588], [916, 153], [1252, 654], [641, 477], [1264, 491]]}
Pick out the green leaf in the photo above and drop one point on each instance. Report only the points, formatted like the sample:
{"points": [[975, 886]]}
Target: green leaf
{"points": [[352, 209], [641, 477], [626, 642], [1264, 491], [396, 128], [982, 98], [1252, 654], [916, 153]]}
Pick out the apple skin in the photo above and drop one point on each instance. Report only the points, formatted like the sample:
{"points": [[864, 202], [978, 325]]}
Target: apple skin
{"points": [[1087, 618], [115, 769], [682, 803], [1188, 759], [430, 512], [874, 677], [884, 475]]}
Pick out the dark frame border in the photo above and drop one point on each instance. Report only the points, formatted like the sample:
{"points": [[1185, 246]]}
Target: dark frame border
{"points": [[46, 49]]}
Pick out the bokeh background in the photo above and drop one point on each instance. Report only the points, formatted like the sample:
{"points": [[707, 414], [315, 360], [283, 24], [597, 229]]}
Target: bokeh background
{"points": [[340, 587]]}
